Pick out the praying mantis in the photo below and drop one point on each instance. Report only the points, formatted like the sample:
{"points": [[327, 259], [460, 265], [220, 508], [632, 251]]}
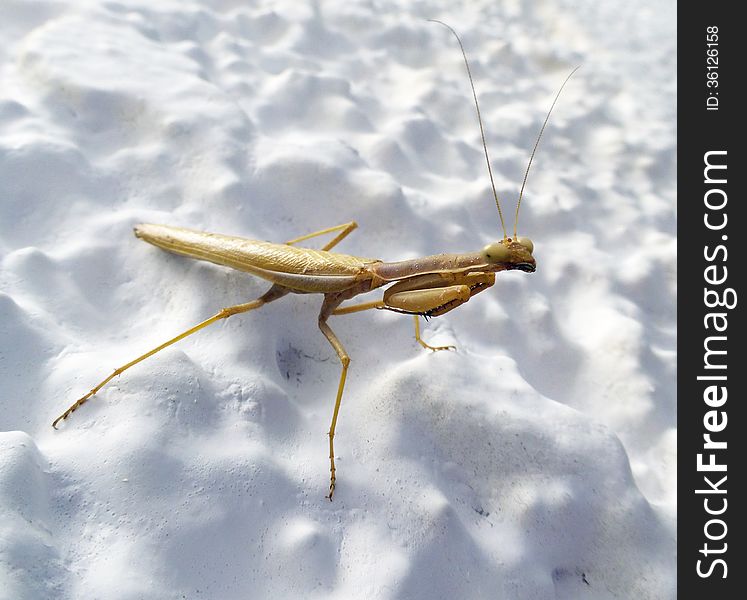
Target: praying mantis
{"points": [[430, 286]]}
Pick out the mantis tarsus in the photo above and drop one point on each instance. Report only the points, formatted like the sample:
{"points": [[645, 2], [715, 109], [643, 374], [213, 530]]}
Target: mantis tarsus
{"points": [[429, 286]]}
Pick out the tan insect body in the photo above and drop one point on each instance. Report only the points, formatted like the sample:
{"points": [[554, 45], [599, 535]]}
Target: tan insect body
{"points": [[428, 286]]}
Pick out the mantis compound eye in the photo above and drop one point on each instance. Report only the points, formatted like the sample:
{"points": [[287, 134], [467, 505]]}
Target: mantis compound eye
{"points": [[496, 252], [527, 243]]}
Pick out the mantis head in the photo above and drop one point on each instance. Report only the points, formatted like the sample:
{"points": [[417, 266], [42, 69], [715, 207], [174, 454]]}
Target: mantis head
{"points": [[508, 253]]}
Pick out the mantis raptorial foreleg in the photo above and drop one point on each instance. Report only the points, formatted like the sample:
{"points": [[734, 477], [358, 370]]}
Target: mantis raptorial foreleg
{"points": [[275, 292]]}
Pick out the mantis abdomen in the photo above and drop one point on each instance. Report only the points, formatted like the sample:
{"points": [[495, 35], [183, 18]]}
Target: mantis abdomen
{"points": [[300, 269]]}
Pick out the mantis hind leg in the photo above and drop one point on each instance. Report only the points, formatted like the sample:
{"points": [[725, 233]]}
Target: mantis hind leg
{"points": [[345, 229], [273, 293]]}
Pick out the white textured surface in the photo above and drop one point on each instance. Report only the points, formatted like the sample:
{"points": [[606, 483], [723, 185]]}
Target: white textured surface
{"points": [[538, 461]]}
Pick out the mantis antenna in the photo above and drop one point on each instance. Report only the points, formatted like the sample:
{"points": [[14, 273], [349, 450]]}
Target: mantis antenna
{"points": [[534, 150], [479, 120]]}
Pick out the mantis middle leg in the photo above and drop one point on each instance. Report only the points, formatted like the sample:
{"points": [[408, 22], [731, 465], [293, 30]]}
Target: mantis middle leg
{"points": [[420, 341], [329, 308], [331, 301], [345, 361], [380, 304]]}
